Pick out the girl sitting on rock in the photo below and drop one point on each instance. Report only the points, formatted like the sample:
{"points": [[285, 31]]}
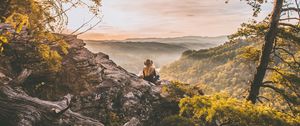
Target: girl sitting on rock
{"points": [[149, 72]]}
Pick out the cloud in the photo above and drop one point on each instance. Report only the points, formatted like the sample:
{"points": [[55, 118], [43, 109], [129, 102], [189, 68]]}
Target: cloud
{"points": [[104, 36], [167, 18], [179, 8]]}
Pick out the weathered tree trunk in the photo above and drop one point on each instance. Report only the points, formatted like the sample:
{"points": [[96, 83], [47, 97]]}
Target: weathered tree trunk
{"points": [[266, 51], [19, 109]]}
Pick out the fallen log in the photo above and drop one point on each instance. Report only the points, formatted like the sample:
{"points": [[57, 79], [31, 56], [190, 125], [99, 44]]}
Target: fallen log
{"points": [[19, 109]]}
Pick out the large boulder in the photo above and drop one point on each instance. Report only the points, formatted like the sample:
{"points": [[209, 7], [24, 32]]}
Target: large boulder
{"points": [[111, 94]]}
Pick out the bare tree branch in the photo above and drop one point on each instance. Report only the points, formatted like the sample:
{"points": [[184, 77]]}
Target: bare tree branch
{"points": [[290, 25], [290, 86], [84, 24], [291, 18], [277, 90], [290, 9], [90, 28], [264, 98], [284, 61], [297, 5], [268, 82], [289, 53], [282, 94]]}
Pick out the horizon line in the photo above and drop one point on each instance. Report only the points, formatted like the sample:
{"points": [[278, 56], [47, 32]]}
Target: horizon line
{"points": [[136, 38]]}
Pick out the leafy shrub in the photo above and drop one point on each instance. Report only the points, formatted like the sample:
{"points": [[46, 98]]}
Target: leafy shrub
{"points": [[177, 90], [50, 57], [221, 109], [249, 53]]}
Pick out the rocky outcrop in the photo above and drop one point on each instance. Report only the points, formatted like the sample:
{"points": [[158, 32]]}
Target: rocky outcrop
{"points": [[112, 95], [101, 90]]}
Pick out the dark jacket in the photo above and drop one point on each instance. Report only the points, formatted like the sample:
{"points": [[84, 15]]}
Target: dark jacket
{"points": [[152, 77]]}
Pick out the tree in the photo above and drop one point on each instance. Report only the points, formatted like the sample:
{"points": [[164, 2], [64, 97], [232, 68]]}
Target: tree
{"points": [[281, 41], [266, 51], [40, 19]]}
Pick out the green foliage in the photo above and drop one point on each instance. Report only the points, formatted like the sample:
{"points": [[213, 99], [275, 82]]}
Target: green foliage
{"points": [[222, 109], [177, 90], [3, 40], [226, 50], [50, 57], [286, 32], [218, 68], [17, 21], [233, 75], [249, 53], [251, 29], [224, 72], [258, 29], [290, 34], [286, 83], [34, 11]]}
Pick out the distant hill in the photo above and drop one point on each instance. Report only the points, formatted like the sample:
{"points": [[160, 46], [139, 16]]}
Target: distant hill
{"points": [[190, 42], [135, 47], [219, 67], [184, 39], [131, 53]]}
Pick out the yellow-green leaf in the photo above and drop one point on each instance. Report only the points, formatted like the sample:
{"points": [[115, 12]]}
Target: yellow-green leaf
{"points": [[3, 39]]}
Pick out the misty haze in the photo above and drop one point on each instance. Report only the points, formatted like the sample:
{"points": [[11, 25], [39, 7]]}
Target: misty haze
{"points": [[131, 53]]}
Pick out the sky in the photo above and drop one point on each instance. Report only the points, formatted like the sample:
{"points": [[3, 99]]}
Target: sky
{"points": [[123, 19]]}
